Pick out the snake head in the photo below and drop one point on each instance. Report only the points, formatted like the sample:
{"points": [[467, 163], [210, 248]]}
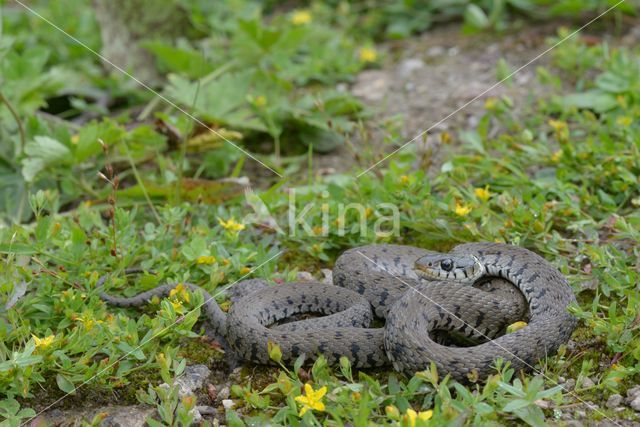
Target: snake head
{"points": [[457, 268]]}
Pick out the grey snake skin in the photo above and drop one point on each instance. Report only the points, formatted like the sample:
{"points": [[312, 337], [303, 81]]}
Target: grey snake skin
{"points": [[458, 326]]}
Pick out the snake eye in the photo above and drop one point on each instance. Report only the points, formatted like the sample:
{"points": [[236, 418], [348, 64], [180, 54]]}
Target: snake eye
{"points": [[446, 264]]}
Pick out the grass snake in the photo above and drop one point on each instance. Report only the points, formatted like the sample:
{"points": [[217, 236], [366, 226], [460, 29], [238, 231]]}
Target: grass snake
{"points": [[449, 308]]}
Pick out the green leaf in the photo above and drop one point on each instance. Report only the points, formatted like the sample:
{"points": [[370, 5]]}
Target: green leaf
{"points": [[475, 17], [65, 385], [593, 100], [43, 151]]}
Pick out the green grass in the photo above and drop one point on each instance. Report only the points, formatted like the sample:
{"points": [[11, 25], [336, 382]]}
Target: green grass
{"points": [[562, 178]]}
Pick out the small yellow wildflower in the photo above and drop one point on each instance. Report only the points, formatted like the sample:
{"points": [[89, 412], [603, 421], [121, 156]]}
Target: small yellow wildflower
{"points": [[412, 416], [88, 322], [231, 225], [368, 212], [516, 326], [260, 101], [624, 121], [206, 259], [356, 396], [462, 210], [482, 193], [561, 128], [404, 179], [392, 412], [490, 104], [622, 101], [177, 306], [244, 271], [301, 17], [445, 137], [43, 342], [368, 54], [317, 230], [75, 138], [181, 291], [312, 399], [226, 261], [555, 157]]}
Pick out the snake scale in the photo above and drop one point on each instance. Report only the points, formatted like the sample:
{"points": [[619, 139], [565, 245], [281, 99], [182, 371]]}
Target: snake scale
{"points": [[430, 302]]}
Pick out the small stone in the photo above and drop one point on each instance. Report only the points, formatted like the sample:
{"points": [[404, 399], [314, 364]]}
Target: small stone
{"points": [[569, 384], [228, 404], [580, 414], [635, 404], [436, 51], [207, 410], [224, 393], [408, 66], [192, 379], [562, 380], [587, 382], [327, 276], [614, 401], [633, 392], [305, 276]]}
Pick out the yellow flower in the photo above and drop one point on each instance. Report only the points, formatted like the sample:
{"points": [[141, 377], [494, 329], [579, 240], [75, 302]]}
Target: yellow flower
{"points": [[75, 138], [392, 412], [490, 103], [516, 326], [412, 416], [561, 128], [312, 399], [482, 193], [206, 259], [368, 54], [181, 291], [89, 323], [245, 270], [301, 17], [462, 210], [260, 101], [624, 121], [555, 158], [43, 342], [177, 306], [231, 225], [404, 179]]}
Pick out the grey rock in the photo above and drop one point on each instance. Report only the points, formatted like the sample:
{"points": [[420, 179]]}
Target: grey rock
{"points": [[633, 392], [635, 404], [224, 393], [371, 85], [327, 276], [305, 276], [115, 416], [569, 384], [587, 382], [436, 51], [228, 404], [613, 401], [193, 379], [408, 66], [580, 414]]}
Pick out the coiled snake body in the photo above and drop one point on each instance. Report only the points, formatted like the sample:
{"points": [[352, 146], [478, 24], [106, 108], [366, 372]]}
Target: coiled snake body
{"points": [[428, 299]]}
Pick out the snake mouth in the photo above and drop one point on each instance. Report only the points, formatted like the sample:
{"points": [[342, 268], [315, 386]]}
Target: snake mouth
{"points": [[425, 272]]}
